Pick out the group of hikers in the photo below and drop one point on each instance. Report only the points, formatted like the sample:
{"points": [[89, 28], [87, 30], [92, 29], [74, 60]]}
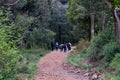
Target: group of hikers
{"points": [[62, 47]]}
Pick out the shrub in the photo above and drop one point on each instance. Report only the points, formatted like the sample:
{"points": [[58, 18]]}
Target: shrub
{"points": [[109, 76], [115, 63], [78, 60], [24, 69], [27, 65], [21, 4], [40, 39], [95, 50], [8, 53], [110, 51], [82, 45], [8, 56]]}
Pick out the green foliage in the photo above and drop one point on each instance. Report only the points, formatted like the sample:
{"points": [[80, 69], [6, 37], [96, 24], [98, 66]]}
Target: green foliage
{"points": [[95, 50], [30, 14], [79, 13], [78, 60], [43, 12], [115, 63], [81, 30], [78, 56], [8, 52], [110, 51], [23, 20], [22, 24], [24, 69], [8, 67], [82, 45], [27, 64], [103, 47], [38, 39], [109, 76], [77, 16], [75, 11], [115, 3], [20, 4], [59, 23]]}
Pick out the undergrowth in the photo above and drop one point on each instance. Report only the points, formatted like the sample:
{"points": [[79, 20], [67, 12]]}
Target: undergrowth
{"points": [[77, 57], [28, 63], [96, 49], [104, 49], [109, 76], [78, 60]]}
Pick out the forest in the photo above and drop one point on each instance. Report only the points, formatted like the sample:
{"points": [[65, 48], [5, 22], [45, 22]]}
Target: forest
{"points": [[27, 28]]}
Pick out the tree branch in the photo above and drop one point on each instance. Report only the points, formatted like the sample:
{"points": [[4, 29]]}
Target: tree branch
{"points": [[116, 15], [108, 3], [11, 4]]}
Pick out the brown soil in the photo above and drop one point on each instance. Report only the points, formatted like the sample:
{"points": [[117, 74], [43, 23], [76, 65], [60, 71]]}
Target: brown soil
{"points": [[53, 67]]}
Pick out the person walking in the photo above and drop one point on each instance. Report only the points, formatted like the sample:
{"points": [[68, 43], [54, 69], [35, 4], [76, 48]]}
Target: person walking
{"points": [[56, 45], [64, 47], [52, 46], [61, 47], [69, 46]]}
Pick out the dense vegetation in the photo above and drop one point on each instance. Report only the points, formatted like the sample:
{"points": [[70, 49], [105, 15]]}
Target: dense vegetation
{"points": [[34, 24], [31, 25], [99, 22]]}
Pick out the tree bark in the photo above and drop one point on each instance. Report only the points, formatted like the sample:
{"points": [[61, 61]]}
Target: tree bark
{"points": [[116, 15], [3, 2], [92, 16], [59, 34], [117, 24], [108, 3], [103, 20]]}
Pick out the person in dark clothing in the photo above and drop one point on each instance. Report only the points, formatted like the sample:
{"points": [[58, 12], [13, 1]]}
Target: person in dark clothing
{"points": [[61, 47], [69, 46], [56, 45], [52, 45], [64, 47]]}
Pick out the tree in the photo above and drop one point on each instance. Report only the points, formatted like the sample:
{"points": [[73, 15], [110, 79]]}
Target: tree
{"points": [[29, 15], [90, 9], [59, 22], [114, 6], [8, 51]]}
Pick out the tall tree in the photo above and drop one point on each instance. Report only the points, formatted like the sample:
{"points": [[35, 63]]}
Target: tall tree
{"points": [[79, 9], [114, 5], [59, 21]]}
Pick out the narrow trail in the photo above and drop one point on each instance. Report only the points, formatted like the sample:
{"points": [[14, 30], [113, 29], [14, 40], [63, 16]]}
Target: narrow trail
{"points": [[51, 67]]}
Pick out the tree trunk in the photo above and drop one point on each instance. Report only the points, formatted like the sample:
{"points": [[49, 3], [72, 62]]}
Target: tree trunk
{"points": [[116, 15], [116, 20], [117, 24], [103, 20], [59, 34], [92, 16], [9, 2]]}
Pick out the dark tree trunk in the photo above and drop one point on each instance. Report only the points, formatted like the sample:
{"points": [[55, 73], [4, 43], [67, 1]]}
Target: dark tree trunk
{"points": [[9, 2], [116, 15], [59, 34], [117, 24], [103, 20], [92, 16]]}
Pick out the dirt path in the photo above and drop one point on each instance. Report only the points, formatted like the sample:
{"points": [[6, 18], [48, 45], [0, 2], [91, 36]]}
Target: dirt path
{"points": [[52, 67]]}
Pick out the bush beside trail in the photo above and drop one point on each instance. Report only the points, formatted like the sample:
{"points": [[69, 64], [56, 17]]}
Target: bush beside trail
{"points": [[102, 52]]}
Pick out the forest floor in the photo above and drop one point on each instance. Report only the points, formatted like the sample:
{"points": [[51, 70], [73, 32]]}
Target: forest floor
{"points": [[53, 67]]}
